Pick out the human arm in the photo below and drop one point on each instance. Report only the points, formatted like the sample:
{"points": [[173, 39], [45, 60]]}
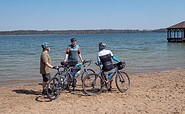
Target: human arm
{"points": [[98, 60], [115, 59], [66, 57], [80, 55], [49, 65], [45, 59]]}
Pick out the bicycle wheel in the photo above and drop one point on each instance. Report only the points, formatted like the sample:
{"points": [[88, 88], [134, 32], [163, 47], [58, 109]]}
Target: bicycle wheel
{"points": [[53, 90], [89, 71], [92, 84], [122, 81]]}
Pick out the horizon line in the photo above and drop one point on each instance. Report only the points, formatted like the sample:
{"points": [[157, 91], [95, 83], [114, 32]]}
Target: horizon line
{"points": [[77, 29]]}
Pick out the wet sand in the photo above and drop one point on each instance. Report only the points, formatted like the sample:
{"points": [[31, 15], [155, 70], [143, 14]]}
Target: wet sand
{"points": [[150, 93]]}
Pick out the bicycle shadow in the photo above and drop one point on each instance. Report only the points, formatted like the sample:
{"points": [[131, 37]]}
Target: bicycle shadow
{"points": [[39, 98], [78, 91]]}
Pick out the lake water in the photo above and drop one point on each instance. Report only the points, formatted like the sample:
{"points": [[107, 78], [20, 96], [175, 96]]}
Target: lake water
{"points": [[143, 52]]}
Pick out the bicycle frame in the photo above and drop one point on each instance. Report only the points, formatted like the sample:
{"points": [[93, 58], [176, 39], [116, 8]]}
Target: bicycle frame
{"points": [[68, 69], [102, 75], [82, 67]]}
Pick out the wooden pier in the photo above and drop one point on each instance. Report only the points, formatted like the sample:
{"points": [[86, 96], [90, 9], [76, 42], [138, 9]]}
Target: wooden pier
{"points": [[176, 33]]}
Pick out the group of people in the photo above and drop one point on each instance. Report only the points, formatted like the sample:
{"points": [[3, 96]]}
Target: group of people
{"points": [[72, 54]]}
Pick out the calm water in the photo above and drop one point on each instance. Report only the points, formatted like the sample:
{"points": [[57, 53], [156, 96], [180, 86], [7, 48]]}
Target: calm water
{"points": [[143, 52]]}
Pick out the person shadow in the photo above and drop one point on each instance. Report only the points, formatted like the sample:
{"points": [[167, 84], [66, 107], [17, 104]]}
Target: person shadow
{"points": [[27, 92], [38, 94]]}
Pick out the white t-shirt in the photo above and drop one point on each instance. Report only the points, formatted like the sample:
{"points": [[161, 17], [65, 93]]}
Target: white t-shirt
{"points": [[103, 52]]}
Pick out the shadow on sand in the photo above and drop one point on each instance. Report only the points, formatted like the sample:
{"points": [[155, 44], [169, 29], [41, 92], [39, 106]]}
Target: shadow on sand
{"points": [[28, 92], [39, 98]]}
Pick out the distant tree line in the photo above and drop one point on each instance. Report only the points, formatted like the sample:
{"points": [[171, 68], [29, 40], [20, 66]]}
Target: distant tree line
{"points": [[103, 31]]}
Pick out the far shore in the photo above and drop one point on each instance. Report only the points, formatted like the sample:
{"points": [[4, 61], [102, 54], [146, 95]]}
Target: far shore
{"points": [[60, 32]]}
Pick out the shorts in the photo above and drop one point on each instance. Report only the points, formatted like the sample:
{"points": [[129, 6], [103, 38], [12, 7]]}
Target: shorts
{"points": [[74, 70], [72, 63], [46, 77]]}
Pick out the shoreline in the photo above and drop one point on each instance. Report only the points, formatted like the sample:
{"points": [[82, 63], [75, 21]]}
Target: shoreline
{"points": [[36, 81], [18, 82]]}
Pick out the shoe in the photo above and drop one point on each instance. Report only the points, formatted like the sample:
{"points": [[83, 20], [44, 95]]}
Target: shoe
{"points": [[65, 86], [73, 85], [44, 92], [110, 88], [49, 90]]}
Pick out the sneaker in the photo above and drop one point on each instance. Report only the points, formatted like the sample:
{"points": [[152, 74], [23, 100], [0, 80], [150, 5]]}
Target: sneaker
{"points": [[73, 85], [49, 90], [110, 88], [44, 92]]}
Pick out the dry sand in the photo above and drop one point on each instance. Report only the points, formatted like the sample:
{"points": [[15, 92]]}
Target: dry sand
{"points": [[150, 93]]}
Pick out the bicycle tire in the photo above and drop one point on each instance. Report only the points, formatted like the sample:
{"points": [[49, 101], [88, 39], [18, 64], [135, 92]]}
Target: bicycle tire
{"points": [[92, 84], [89, 71], [54, 87], [122, 81]]}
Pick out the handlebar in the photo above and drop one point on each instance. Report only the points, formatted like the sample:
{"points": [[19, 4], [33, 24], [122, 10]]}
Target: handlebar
{"points": [[84, 62], [98, 65], [57, 68], [65, 64]]}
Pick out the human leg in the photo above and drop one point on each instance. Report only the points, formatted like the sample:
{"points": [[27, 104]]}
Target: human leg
{"points": [[46, 78]]}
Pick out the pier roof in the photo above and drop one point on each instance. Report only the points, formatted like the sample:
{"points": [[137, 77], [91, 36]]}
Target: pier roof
{"points": [[180, 25]]}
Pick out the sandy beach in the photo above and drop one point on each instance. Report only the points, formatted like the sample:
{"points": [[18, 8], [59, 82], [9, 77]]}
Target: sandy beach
{"points": [[151, 93]]}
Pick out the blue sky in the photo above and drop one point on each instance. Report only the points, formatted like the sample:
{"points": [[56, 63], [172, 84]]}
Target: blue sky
{"points": [[89, 14]]}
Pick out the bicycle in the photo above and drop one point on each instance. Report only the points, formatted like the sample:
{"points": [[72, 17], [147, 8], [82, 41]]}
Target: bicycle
{"points": [[77, 71], [58, 83], [63, 80], [93, 83]]}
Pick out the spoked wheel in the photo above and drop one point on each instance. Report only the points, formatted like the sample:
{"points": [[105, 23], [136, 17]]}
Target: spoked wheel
{"points": [[53, 90], [89, 71], [92, 84], [122, 81]]}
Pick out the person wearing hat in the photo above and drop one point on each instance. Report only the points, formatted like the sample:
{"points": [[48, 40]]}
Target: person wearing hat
{"points": [[105, 58], [45, 65]]}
